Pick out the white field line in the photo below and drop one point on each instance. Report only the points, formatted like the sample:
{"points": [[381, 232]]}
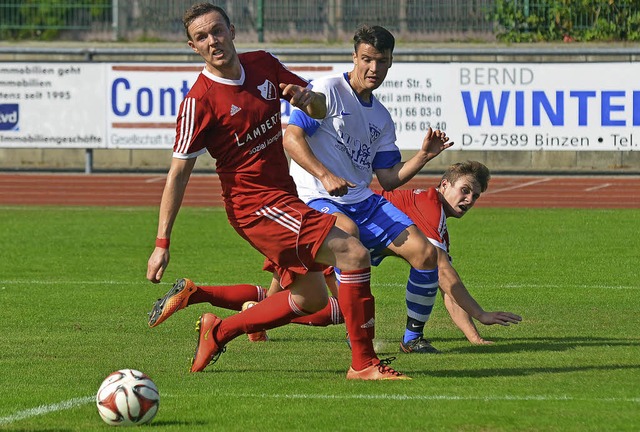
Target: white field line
{"points": [[519, 186], [46, 409], [595, 188], [49, 282], [77, 402], [391, 285], [431, 397]]}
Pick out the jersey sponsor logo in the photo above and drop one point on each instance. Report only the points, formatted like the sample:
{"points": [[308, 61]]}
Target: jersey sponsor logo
{"points": [[344, 113], [358, 151], [258, 131], [263, 145], [268, 90], [234, 110]]}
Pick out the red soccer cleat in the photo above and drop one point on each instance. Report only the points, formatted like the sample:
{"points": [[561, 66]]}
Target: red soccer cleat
{"points": [[207, 351]]}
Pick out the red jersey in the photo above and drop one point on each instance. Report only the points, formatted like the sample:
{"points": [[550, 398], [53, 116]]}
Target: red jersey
{"points": [[238, 123], [425, 209]]}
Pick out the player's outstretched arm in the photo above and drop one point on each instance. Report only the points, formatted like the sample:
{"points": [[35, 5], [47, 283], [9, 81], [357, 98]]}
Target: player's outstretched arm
{"points": [[463, 321], [172, 195], [451, 284], [312, 103], [502, 318], [434, 143]]}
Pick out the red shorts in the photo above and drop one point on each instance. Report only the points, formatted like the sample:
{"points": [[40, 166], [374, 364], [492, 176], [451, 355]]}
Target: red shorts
{"points": [[289, 234]]}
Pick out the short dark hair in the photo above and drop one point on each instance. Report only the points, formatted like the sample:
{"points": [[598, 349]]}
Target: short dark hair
{"points": [[475, 169], [378, 37], [200, 9]]}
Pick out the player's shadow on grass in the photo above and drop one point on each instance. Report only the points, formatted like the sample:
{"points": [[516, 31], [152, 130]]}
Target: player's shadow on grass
{"points": [[176, 423], [554, 344], [516, 372]]}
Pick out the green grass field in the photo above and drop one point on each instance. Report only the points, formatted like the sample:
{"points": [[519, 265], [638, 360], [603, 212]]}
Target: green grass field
{"points": [[74, 303]]}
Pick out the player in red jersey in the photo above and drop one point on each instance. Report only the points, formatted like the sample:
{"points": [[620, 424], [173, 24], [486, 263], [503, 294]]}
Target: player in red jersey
{"points": [[459, 189], [233, 112]]}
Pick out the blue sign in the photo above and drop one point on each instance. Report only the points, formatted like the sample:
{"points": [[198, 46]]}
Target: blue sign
{"points": [[9, 116]]}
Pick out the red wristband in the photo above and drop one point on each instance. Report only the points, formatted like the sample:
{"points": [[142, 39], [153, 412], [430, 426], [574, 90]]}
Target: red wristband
{"points": [[162, 243]]}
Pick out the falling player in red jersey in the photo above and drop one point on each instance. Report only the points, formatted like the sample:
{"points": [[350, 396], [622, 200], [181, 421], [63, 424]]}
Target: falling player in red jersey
{"points": [[460, 187], [233, 112]]}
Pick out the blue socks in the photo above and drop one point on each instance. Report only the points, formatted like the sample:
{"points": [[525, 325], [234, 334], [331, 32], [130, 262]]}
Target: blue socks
{"points": [[422, 288]]}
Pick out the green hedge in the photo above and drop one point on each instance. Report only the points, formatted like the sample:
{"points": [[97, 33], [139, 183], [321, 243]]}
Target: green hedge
{"points": [[44, 20], [568, 20]]}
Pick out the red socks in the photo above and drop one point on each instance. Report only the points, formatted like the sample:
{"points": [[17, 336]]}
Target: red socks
{"points": [[227, 296], [330, 315], [358, 307], [355, 299], [274, 311]]}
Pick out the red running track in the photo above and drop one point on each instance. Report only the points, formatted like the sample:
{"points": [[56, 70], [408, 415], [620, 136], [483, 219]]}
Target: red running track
{"points": [[204, 190]]}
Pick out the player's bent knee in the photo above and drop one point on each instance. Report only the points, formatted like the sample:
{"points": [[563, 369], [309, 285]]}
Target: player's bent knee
{"points": [[347, 225], [427, 260], [353, 255], [359, 253]]}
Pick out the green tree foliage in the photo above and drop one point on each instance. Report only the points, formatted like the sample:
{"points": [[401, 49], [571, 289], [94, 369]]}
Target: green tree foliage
{"points": [[44, 20], [568, 20]]}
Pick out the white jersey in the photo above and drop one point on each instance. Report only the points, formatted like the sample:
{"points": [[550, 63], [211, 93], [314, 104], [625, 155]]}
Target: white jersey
{"points": [[354, 139]]}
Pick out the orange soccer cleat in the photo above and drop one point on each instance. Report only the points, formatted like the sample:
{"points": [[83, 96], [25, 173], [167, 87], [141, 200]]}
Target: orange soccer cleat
{"points": [[379, 371], [174, 300]]}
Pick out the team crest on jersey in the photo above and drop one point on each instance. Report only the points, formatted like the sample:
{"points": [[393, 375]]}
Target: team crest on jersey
{"points": [[375, 132], [268, 90]]}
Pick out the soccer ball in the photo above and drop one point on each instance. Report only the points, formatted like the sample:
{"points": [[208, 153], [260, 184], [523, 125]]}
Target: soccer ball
{"points": [[127, 397]]}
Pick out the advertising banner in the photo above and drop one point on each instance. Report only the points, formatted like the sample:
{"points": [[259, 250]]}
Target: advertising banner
{"points": [[143, 102], [58, 105], [481, 106], [594, 106]]}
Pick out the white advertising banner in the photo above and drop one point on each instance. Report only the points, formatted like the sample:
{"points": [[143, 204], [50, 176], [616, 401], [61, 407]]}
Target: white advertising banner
{"points": [[143, 101], [582, 106], [59, 105], [481, 106]]}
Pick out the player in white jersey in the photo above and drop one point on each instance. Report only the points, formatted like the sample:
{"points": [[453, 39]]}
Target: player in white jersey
{"points": [[334, 159], [355, 136]]}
